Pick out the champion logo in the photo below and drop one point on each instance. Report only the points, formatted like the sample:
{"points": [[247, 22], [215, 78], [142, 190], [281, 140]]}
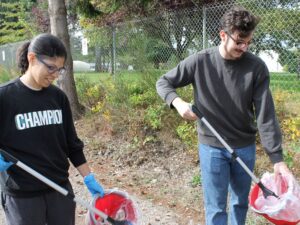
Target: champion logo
{"points": [[39, 118]]}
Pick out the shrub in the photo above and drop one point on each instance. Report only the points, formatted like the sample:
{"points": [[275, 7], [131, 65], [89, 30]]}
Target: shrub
{"points": [[90, 94], [187, 132], [280, 97], [143, 100], [291, 129], [4, 75], [290, 124], [153, 115]]}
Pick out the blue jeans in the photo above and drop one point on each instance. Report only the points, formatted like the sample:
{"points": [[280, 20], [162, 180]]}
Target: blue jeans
{"points": [[220, 174]]}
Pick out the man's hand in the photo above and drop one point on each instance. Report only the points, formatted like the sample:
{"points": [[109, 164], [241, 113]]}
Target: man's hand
{"points": [[184, 109], [93, 186]]}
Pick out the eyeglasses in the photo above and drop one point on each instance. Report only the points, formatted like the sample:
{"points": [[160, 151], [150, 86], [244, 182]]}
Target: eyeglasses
{"points": [[239, 43], [52, 69]]}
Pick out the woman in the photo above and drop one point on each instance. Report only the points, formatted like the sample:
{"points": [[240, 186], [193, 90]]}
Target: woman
{"points": [[36, 126]]}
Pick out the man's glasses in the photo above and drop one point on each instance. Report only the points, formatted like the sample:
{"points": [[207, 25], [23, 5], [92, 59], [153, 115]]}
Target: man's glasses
{"points": [[52, 69], [239, 43]]}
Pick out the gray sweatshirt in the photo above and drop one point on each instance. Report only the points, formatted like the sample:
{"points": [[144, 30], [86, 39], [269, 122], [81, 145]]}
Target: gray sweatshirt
{"points": [[233, 95]]}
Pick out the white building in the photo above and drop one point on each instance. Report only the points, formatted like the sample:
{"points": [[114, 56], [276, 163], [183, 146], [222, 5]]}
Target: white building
{"points": [[270, 57]]}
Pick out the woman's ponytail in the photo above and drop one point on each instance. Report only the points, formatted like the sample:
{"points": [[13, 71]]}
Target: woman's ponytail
{"points": [[22, 57]]}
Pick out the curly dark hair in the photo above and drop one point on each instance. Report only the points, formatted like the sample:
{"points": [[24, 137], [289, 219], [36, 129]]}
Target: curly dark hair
{"points": [[239, 19]]}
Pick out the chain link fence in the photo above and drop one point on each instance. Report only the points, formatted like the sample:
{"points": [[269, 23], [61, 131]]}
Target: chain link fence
{"points": [[8, 54], [160, 42]]}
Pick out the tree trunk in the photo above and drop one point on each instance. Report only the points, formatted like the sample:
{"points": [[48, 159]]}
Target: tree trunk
{"points": [[59, 27]]}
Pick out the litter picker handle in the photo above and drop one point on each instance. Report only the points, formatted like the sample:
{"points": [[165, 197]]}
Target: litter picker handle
{"points": [[232, 152], [266, 192], [50, 183], [39, 176]]}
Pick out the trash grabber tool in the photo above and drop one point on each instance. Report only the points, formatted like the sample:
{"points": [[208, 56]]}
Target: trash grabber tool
{"points": [[266, 192], [61, 190]]}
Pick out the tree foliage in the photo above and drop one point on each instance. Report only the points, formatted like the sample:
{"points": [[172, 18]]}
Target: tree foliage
{"points": [[278, 30], [157, 52], [40, 17], [172, 28], [291, 60], [13, 25], [176, 29], [113, 11], [22, 19], [178, 33]]}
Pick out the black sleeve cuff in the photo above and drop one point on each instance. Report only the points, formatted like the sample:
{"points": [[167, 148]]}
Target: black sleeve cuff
{"points": [[276, 157], [77, 158]]}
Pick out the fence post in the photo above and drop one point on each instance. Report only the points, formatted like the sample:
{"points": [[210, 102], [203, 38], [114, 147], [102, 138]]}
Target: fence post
{"points": [[203, 27], [113, 51]]}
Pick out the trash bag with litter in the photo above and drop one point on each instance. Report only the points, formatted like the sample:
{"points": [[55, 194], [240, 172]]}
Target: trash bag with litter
{"points": [[116, 204], [284, 210]]}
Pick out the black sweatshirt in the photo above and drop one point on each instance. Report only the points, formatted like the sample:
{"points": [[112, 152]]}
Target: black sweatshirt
{"points": [[233, 95], [37, 128]]}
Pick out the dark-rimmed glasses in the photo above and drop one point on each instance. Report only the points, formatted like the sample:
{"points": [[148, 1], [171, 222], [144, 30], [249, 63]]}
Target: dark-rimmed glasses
{"points": [[51, 69], [239, 43]]}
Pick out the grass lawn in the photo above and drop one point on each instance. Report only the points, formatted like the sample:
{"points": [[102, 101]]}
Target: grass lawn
{"points": [[285, 81], [127, 75]]}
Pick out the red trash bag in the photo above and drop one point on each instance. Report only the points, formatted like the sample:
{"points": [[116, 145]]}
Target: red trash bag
{"points": [[115, 204], [282, 211]]}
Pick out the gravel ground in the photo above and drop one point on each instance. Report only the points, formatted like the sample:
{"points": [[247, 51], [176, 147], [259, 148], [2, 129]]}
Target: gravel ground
{"points": [[150, 213]]}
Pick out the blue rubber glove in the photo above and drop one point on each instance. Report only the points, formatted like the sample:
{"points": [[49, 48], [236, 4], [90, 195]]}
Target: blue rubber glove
{"points": [[3, 164], [93, 186]]}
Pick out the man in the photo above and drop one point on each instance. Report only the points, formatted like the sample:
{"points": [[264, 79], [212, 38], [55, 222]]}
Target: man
{"points": [[231, 89]]}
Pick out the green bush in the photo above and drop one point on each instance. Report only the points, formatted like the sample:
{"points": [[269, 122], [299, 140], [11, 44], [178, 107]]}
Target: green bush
{"points": [[119, 92], [135, 89], [143, 100], [187, 132], [290, 60], [4, 75], [134, 95], [153, 115], [90, 93]]}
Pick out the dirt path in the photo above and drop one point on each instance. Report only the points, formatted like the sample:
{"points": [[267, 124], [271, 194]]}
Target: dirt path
{"points": [[142, 185], [150, 212]]}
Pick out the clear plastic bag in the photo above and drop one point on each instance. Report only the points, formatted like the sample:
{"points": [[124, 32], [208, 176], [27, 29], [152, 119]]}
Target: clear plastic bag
{"points": [[116, 204], [284, 209]]}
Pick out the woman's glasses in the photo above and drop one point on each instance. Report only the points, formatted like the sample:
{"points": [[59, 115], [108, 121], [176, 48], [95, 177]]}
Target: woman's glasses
{"points": [[239, 43], [52, 69]]}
